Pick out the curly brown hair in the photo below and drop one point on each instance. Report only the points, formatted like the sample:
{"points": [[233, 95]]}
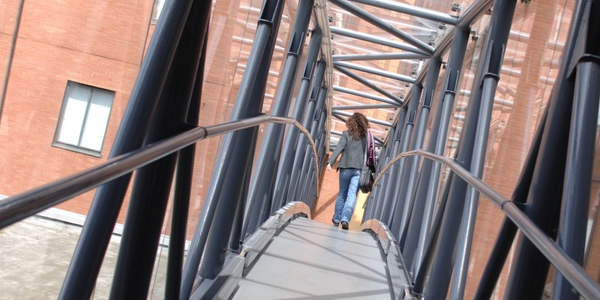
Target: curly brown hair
{"points": [[357, 125]]}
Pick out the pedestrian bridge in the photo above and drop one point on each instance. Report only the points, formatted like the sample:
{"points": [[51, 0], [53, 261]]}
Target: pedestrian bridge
{"points": [[255, 239]]}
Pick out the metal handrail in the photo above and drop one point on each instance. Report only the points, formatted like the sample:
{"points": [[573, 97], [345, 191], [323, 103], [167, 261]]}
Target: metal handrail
{"points": [[28, 203], [570, 269]]}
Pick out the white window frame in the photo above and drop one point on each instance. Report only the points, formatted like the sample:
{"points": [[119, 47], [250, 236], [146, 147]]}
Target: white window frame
{"points": [[85, 120]]}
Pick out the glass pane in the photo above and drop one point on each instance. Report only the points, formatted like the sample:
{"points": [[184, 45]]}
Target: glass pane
{"points": [[97, 119], [74, 114]]}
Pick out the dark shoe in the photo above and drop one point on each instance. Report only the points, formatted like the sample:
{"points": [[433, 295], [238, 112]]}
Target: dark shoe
{"points": [[335, 223], [344, 225]]}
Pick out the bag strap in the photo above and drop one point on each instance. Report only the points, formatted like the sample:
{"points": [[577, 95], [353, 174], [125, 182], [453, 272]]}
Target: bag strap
{"points": [[370, 145], [366, 148]]}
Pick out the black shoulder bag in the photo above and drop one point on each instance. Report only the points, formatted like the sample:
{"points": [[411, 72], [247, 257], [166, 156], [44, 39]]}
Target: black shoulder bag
{"points": [[365, 182]]}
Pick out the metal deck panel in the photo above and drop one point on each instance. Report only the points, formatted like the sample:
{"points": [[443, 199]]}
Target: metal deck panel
{"points": [[312, 260]]}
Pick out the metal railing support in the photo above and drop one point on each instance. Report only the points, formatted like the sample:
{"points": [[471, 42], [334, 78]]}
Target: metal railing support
{"points": [[576, 275], [16, 208], [251, 88]]}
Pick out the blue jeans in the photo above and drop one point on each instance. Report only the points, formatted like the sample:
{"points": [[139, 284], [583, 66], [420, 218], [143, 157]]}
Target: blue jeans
{"points": [[346, 200]]}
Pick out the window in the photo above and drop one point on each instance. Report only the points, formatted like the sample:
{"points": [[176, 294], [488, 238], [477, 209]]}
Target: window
{"points": [[158, 6], [83, 118]]}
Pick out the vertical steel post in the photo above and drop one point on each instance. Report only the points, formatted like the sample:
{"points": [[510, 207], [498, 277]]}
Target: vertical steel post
{"points": [[262, 183], [261, 188], [467, 225], [422, 268], [95, 236], [386, 188], [417, 140], [152, 185], [457, 54], [576, 194], [251, 88], [302, 157], [375, 201], [582, 138], [182, 193], [544, 198], [382, 197], [235, 181], [310, 122], [472, 147], [396, 204], [508, 230], [393, 211], [300, 113]]}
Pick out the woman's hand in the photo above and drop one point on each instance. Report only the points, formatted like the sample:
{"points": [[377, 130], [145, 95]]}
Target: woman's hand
{"points": [[328, 167]]}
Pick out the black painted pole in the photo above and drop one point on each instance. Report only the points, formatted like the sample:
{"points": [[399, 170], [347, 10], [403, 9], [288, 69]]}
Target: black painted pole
{"points": [[301, 112], [248, 102], [93, 242], [263, 178], [479, 108]]}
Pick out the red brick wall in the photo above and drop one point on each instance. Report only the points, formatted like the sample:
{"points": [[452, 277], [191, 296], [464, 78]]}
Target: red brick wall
{"points": [[98, 43]]}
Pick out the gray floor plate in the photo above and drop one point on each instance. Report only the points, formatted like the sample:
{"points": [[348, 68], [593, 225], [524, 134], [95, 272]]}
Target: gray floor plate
{"points": [[312, 260]]}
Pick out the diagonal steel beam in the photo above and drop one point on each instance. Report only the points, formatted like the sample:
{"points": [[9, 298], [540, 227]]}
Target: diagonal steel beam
{"points": [[473, 12], [381, 56], [364, 106], [367, 83], [376, 40], [412, 10], [364, 95], [339, 118], [375, 71], [363, 14]]}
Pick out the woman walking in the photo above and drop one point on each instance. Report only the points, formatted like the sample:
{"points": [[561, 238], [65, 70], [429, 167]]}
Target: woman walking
{"points": [[352, 146]]}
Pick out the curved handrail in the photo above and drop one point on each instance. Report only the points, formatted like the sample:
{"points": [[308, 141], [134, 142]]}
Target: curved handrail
{"points": [[28, 203], [570, 269]]}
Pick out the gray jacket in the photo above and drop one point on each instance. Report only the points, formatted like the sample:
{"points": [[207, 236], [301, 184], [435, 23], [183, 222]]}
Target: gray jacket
{"points": [[353, 152]]}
